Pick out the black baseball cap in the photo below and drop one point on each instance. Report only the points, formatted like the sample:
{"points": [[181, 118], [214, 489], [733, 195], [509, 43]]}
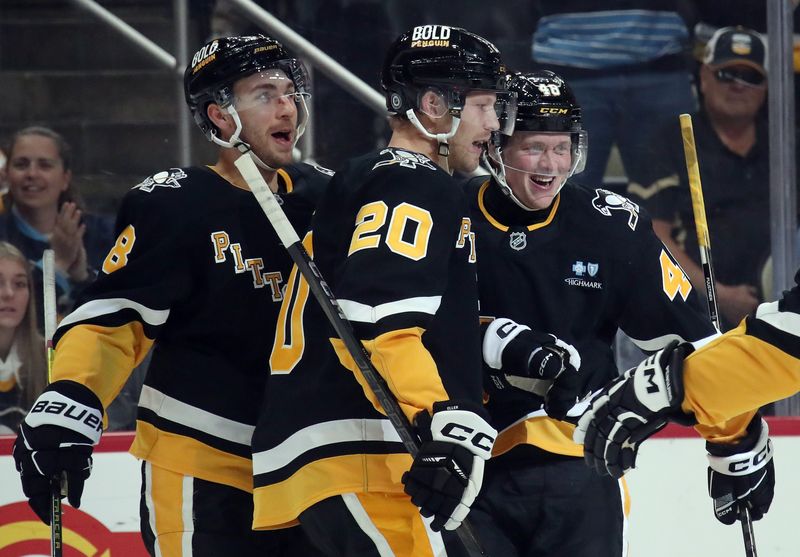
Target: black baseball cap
{"points": [[731, 46]]}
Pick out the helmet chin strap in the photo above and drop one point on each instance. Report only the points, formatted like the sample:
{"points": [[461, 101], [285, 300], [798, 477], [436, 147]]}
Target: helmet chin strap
{"points": [[441, 138], [243, 147]]}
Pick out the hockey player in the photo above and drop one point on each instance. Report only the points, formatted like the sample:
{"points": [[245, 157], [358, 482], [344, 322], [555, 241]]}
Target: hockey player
{"points": [[718, 386], [392, 237], [196, 274], [556, 258]]}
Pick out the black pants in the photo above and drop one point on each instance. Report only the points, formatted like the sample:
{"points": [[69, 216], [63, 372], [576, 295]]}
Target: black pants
{"points": [[183, 516], [538, 504]]}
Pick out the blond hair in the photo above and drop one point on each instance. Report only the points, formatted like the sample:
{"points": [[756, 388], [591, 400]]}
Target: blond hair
{"points": [[30, 344]]}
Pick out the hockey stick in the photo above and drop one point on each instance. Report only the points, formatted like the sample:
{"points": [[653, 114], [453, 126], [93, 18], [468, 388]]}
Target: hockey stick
{"points": [[56, 485], [336, 317], [704, 242]]}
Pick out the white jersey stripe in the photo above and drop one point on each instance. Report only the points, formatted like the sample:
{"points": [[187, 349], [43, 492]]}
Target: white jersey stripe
{"points": [[362, 313], [190, 416], [151, 508], [367, 526], [657, 343], [187, 513], [96, 308], [435, 538], [318, 435]]}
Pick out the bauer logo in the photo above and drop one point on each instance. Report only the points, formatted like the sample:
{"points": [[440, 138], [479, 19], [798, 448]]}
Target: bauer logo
{"points": [[430, 35]]}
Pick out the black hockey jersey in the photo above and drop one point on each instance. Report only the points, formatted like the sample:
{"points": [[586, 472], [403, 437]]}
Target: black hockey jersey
{"points": [[392, 238], [198, 269], [581, 269]]}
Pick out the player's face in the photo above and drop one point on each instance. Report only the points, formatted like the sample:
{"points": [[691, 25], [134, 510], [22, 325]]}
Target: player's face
{"points": [[266, 105], [478, 120], [537, 165], [14, 293], [732, 98], [36, 175]]}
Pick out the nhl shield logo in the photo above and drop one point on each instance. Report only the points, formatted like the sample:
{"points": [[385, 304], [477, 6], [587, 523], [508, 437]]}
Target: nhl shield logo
{"points": [[592, 268], [517, 240]]}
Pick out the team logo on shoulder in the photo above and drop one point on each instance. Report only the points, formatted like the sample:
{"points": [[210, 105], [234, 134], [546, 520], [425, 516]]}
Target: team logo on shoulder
{"points": [[517, 240], [405, 159], [323, 170], [606, 201], [166, 178]]}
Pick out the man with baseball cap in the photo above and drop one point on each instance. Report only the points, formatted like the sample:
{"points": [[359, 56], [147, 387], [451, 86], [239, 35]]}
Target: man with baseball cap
{"points": [[731, 138]]}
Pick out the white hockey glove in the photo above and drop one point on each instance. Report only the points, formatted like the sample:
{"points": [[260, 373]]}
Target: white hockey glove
{"points": [[742, 475], [56, 438], [447, 472], [539, 363], [631, 408]]}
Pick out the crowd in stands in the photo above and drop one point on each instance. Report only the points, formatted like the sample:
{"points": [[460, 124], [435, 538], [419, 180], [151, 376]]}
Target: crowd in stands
{"points": [[631, 82]]}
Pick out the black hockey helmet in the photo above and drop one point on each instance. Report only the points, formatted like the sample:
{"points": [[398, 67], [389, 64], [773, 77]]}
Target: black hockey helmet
{"points": [[544, 103], [449, 59], [219, 63]]}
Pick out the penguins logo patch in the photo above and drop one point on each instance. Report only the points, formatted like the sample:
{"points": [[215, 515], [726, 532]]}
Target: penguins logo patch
{"points": [[606, 201], [166, 178], [404, 159]]}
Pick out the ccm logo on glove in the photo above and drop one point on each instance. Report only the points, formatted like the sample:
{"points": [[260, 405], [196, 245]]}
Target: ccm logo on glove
{"points": [[480, 440]]}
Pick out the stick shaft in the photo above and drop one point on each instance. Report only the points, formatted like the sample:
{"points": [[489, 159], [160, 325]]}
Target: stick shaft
{"points": [[704, 241], [56, 487], [333, 311]]}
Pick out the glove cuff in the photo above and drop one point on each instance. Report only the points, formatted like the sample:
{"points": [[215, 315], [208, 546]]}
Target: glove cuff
{"points": [[752, 453], [69, 405], [464, 424]]}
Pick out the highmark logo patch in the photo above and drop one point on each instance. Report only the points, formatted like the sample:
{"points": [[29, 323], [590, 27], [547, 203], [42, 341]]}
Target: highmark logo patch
{"points": [[584, 272]]}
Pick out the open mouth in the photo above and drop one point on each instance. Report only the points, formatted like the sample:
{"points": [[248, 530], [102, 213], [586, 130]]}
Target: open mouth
{"points": [[541, 181], [283, 137], [33, 188], [478, 146]]}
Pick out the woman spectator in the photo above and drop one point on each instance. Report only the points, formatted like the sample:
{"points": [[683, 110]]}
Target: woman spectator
{"points": [[41, 210], [23, 367]]}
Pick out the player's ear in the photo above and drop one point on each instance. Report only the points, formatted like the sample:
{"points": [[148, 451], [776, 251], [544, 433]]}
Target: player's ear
{"points": [[432, 103], [221, 119]]}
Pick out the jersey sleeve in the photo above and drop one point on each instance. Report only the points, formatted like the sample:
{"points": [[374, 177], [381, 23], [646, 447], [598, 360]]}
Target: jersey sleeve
{"points": [[729, 378], [393, 280], [118, 316], [661, 304]]}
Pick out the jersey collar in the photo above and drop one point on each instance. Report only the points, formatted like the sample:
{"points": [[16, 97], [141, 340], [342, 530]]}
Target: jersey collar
{"points": [[499, 210]]}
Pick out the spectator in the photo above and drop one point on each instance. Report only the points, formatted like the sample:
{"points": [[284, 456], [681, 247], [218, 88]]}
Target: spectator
{"points": [[731, 140], [3, 160], [41, 210], [23, 368], [627, 63]]}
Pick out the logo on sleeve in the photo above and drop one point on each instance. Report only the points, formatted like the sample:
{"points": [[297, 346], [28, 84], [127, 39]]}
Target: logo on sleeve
{"points": [[405, 159], [166, 178], [607, 201]]}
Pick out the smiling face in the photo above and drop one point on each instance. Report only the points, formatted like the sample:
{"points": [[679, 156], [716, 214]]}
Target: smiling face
{"points": [[14, 293], [537, 165], [266, 105], [478, 120], [36, 173]]}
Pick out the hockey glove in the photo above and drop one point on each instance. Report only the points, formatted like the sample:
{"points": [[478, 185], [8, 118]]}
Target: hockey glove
{"points": [[742, 475], [55, 440], [447, 472], [631, 408], [535, 362]]}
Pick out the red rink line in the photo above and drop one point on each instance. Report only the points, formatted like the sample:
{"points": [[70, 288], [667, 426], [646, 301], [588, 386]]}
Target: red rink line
{"points": [[115, 442]]}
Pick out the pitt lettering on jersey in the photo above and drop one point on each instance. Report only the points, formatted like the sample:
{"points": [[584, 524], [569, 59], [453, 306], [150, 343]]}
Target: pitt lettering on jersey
{"points": [[465, 233], [221, 243]]}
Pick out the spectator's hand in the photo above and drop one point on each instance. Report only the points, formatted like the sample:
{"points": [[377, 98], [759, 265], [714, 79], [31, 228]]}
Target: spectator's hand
{"points": [[737, 301], [67, 238], [79, 272]]}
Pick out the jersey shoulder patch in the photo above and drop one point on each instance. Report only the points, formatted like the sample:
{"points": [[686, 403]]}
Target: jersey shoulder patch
{"points": [[170, 178], [405, 159], [610, 204]]}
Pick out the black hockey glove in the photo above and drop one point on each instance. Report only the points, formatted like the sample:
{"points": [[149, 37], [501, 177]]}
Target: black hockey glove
{"points": [[631, 408], [742, 474], [447, 472], [539, 363], [55, 439]]}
